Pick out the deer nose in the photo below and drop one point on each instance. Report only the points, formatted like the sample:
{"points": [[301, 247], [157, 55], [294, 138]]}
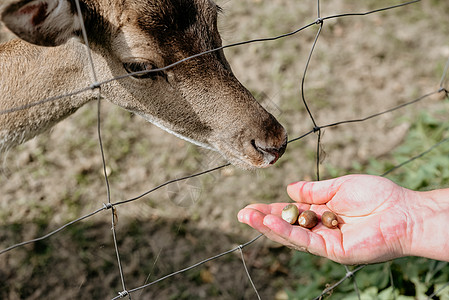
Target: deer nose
{"points": [[270, 153]]}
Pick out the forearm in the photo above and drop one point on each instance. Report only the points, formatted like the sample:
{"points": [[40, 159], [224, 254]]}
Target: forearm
{"points": [[429, 224]]}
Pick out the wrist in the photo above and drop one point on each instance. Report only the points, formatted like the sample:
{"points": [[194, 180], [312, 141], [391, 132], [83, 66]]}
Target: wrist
{"points": [[428, 229]]}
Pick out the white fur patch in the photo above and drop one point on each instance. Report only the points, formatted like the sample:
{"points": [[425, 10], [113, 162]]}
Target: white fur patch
{"points": [[156, 122]]}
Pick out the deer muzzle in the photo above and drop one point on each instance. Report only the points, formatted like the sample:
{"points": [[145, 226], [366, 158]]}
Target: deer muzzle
{"points": [[254, 146]]}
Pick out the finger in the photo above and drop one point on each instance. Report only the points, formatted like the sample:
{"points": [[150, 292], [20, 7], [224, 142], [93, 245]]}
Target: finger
{"points": [[276, 208], [255, 219], [317, 192], [254, 215], [302, 239], [261, 207]]}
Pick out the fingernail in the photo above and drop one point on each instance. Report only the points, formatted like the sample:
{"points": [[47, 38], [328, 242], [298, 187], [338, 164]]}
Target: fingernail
{"points": [[241, 216], [267, 221]]}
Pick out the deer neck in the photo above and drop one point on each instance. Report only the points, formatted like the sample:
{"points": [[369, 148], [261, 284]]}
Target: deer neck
{"points": [[31, 74]]}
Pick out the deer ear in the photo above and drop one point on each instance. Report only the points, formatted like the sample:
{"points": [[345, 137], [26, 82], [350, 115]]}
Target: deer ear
{"points": [[42, 22]]}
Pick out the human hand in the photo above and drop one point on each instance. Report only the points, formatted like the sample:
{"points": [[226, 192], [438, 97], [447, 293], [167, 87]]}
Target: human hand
{"points": [[374, 219]]}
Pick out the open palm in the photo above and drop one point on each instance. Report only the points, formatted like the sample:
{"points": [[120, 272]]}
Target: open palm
{"points": [[374, 222]]}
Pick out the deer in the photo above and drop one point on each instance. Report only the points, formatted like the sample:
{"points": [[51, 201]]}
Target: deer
{"points": [[199, 100]]}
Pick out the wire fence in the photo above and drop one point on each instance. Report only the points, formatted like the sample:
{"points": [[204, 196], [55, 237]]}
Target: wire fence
{"points": [[316, 129]]}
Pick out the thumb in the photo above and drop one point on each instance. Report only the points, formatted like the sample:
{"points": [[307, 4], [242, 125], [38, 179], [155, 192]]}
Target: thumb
{"points": [[316, 192]]}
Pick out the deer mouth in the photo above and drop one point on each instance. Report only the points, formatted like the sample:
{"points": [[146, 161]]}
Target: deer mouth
{"points": [[253, 154], [270, 154]]}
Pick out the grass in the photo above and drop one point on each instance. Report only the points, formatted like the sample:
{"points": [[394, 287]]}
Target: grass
{"points": [[406, 278], [427, 172]]}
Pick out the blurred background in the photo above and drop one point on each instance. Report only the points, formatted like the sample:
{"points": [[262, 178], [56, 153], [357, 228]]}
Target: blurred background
{"points": [[361, 66]]}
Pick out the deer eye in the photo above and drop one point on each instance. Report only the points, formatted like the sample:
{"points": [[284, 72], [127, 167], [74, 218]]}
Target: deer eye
{"points": [[140, 70]]}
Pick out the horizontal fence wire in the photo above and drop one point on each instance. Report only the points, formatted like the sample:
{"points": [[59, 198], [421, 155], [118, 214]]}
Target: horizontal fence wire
{"points": [[316, 129]]}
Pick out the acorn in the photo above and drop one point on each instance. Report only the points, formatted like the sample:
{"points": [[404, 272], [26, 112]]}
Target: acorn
{"points": [[290, 213], [308, 219], [329, 219]]}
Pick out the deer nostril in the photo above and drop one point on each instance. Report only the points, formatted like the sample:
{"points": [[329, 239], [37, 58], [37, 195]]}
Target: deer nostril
{"points": [[253, 143]]}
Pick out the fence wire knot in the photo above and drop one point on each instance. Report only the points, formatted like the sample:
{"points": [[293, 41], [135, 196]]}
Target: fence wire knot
{"points": [[444, 90], [316, 128], [319, 21], [107, 205], [123, 294], [95, 85]]}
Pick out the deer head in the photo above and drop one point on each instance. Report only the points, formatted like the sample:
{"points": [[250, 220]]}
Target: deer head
{"points": [[199, 100]]}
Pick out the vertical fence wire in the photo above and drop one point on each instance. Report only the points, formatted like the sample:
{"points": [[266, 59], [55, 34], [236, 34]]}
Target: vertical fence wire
{"points": [[247, 273], [95, 86], [315, 126]]}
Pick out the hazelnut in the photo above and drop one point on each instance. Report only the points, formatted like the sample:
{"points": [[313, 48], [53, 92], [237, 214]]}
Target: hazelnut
{"points": [[329, 219], [308, 219], [290, 213]]}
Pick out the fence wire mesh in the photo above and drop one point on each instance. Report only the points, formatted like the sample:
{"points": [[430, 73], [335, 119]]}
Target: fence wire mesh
{"points": [[319, 23]]}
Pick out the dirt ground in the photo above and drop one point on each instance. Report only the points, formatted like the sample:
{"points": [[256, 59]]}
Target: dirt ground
{"points": [[361, 65]]}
